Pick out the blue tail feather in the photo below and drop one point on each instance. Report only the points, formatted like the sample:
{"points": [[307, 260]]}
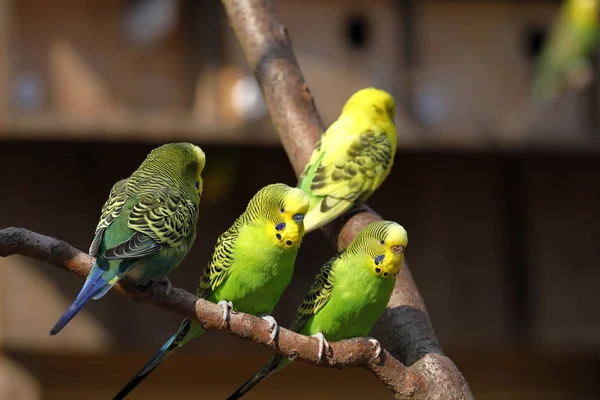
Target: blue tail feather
{"points": [[265, 371], [95, 287], [168, 348]]}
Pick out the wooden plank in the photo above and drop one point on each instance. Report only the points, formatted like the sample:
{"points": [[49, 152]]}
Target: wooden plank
{"points": [[564, 222], [5, 17], [497, 373], [452, 208], [17, 382]]}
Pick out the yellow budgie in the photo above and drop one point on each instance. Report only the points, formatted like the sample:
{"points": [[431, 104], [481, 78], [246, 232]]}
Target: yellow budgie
{"points": [[352, 158]]}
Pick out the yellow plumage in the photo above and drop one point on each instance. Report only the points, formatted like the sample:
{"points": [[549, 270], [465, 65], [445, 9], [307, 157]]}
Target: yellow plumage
{"points": [[352, 158]]}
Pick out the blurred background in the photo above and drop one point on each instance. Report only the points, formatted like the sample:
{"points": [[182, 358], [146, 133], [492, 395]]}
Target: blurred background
{"points": [[496, 181]]}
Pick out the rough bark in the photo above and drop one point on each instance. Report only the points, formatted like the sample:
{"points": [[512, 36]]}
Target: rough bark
{"points": [[292, 110]]}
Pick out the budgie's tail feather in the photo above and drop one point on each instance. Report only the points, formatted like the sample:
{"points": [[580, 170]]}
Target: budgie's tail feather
{"points": [[168, 348], [95, 286], [267, 370], [325, 211]]}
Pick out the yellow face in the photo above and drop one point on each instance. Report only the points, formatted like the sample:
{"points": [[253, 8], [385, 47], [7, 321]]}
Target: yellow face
{"points": [[200, 159], [289, 229], [391, 254], [379, 100], [584, 11]]}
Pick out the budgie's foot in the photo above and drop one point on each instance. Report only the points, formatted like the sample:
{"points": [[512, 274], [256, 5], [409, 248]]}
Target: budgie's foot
{"points": [[377, 346], [273, 326], [227, 307], [168, 286], [323, 345]]}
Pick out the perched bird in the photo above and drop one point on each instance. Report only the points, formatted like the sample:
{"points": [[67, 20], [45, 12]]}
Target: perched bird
{"points": [[250, 267], [564, 60], [147, 226], [348, 295], [352, 158]]}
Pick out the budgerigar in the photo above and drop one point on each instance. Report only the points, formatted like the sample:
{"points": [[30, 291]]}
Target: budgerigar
{"points": [[352, 158], [349, 294], [251, 265], [564, 60], [147, 226]]}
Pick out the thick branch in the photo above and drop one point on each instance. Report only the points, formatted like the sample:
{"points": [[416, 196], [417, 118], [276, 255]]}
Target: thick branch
{"points": [[346, 353], [292, 110]]}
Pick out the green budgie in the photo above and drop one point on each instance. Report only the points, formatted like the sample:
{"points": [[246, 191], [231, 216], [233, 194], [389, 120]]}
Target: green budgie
{"points": [[348, 295], [250, 267], [147, 226], [565, 57]]}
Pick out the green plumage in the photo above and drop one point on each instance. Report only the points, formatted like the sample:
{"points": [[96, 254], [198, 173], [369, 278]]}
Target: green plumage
{"points": [[350, 292], [148, 224], [251, 265], [564, 60]]}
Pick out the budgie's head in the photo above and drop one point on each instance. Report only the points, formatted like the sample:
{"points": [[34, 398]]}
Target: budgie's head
{"points": [[371, 100], [283, 209], [384, 242], [181, 161], [583, 12]]}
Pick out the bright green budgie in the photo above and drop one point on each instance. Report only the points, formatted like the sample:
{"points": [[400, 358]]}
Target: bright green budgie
{"points": [[251, 265], [147, 226], [564, 60], [348, 295], [352, 158]]}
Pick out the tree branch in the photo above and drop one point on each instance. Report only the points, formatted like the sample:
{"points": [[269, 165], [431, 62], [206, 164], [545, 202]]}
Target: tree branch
{"points": [[292, 110], [346, 353]]}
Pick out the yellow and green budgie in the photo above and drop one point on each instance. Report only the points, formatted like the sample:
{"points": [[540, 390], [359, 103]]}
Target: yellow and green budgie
{"points": [[564, 60], [147, 226], [250, 267], [348, 295], [352, 158]]}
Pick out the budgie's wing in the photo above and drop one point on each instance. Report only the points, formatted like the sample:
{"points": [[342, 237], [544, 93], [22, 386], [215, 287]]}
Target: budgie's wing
{"points": [[110, 211], [317, 296], [309, 170], [162, 218], [220, 262], [348, 174]]}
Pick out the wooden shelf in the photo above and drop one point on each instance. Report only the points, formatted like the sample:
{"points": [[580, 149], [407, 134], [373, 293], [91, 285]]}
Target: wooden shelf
{"points": [[139, 127]]}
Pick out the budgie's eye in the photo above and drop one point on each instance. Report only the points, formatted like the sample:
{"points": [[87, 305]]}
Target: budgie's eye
{"points": [[382, 242], [197, 184], [282, 210]]}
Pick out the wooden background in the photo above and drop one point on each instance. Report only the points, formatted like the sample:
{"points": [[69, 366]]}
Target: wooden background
{"points": [[504, 230]]}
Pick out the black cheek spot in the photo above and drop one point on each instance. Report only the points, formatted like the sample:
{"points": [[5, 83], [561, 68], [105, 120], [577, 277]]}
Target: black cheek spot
{"points": [[385, 274], [377, 270], [278, 236], [289, 242]]}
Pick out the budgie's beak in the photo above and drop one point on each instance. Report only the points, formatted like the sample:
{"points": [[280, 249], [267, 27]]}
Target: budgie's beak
{"points": [[298, 217]]}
